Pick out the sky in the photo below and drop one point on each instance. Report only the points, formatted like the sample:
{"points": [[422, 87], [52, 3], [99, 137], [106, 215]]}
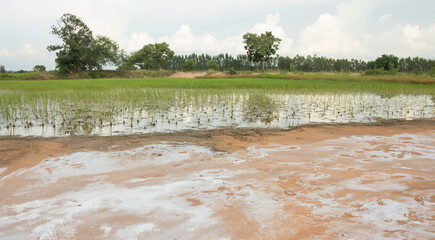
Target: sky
{"points": [[360, 29]]}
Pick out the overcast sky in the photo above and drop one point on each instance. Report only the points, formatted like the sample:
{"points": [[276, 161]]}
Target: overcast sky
{"points": [[362, 29]]}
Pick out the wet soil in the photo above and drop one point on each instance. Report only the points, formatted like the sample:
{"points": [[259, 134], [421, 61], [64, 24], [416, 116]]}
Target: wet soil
{"points": [[347, 181]]}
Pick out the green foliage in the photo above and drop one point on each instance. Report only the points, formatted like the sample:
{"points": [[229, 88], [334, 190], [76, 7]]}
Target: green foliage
{"points": [[2, 69], [162, 54], [188, 65], [295, 64], [232, 71], [124, 62], [39, 68], [76, 37], [80, 50], [212, 65], [152, 54], [260, 47], [101, 52], [377, 72], [92, 74], [432, 72], [385, 62]]}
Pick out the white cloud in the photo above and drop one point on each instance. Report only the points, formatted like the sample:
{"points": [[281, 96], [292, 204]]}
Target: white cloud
{"points": [[338, 35], [185, 41], [27, 50], [385, 18], [345, 34], [327, 37], [271, 24], [352, 30], [26, 57], [404, 40], [4, 52], [411, 33], [136, 41]]}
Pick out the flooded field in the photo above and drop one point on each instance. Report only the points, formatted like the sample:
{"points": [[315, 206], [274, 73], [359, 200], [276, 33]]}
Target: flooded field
{"points": [[151, 110]]}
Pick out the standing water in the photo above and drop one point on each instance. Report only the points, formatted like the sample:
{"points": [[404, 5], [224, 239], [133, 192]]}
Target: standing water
{"points": [[187, 110]]}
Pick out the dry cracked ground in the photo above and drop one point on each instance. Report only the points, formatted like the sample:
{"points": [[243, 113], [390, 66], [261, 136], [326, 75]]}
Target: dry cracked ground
{"points": [[313, 182]]}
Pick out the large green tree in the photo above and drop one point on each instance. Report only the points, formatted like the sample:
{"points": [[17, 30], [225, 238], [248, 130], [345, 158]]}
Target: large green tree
{"points": [[152, 54], [102, 52], [260, 47], [39, 68], [79, 49], [387, 62]]}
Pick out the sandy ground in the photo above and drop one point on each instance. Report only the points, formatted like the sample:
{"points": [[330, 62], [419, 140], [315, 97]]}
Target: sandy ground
{"points": [[312, 182], [188, 74]]}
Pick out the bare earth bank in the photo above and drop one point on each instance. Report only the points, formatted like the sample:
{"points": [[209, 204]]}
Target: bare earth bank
{"points": [[313, 182]]}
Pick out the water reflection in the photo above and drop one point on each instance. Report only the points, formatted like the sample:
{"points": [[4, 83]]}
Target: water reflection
{"points": [[208, 111]]}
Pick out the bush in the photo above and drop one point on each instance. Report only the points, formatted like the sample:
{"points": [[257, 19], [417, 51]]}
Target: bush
{"points": [[126, 65], [379, 72], [188, 65], [101, 74], [212, 65], [387, 62], [432, 72], [39, 68], [232, 71], [92, 74]]}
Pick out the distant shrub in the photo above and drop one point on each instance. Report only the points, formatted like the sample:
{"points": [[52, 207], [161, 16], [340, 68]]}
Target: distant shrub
{"points": [[432, 72], [232, 71], [39, 68], [387, 62], [377, 72], [212, 65], [93, 74], [188, 65], [126, 65]]}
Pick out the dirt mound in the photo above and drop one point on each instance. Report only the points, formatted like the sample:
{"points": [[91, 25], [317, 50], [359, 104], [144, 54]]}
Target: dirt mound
{"points": [[188, 74]]}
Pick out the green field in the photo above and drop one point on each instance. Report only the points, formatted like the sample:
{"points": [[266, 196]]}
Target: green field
{"points": [[292, 85]]}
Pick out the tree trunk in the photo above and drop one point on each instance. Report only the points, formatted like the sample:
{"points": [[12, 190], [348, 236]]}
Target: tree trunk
{"points": [[263, 64]]}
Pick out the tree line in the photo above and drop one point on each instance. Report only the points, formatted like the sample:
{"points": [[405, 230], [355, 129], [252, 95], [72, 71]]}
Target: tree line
{"points": [[227, 62], [81, 50]]}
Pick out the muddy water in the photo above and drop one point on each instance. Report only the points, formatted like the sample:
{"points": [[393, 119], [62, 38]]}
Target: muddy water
{"points": [[263, 110]]}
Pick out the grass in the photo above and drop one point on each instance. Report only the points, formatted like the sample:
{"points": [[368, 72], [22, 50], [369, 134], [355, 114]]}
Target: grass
{"points": [[292, 85], [343, 76], [397, 77], [18, 76], [85, 75]]}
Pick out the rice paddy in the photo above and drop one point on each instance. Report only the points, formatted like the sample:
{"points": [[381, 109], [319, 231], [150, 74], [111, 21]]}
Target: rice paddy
{"points": [[127, 106]]}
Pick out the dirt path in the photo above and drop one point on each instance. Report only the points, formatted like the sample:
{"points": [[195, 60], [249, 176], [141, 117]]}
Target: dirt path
{"points": [[313, 182]]}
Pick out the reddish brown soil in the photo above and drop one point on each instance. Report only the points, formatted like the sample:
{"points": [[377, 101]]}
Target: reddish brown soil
{"points": [[312, 182]]}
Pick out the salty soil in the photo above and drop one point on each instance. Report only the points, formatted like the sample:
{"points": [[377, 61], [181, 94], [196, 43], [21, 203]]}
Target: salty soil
{"points": [[312, 182]]}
